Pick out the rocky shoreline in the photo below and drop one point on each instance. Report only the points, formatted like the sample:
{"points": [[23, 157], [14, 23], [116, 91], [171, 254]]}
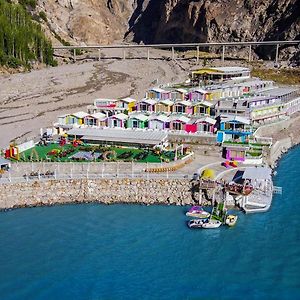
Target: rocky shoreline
{"points": [[287, 136]]}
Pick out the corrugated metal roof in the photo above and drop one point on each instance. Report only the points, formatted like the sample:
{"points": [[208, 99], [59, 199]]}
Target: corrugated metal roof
{"points": [[235, 118], [121, 135], [231, 69], [279, 92]]}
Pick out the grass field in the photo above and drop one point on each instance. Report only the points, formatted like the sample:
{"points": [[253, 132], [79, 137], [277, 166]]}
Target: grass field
{"points": [[64, 153], [281, 76]]}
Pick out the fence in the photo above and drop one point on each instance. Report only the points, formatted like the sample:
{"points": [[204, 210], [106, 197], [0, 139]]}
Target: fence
{"points": [[56, 176]]}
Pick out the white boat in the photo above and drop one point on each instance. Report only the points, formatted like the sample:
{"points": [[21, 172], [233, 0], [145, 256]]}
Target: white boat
{"points": [[198, 212], [211, 224], [231, 220], [195, 223]]}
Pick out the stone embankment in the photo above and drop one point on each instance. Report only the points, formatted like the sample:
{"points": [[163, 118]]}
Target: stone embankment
{"points": [[108, 191], [285, 134]]}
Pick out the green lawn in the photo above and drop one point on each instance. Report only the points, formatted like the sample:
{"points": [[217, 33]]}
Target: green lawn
{"points": [[42, 153]]}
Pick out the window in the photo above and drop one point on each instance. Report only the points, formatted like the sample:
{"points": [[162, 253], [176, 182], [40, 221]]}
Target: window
{"points": [[180, 109], [202, 110], [115, 123], [143, 107], [135, 124], [177, 126]]}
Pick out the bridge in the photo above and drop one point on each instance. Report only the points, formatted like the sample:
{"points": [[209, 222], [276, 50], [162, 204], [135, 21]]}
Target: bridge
{"points": [[196, 46]]}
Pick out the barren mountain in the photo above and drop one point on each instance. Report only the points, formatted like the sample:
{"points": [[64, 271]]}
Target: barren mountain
{"points": [[87, 21], [155, 21]]}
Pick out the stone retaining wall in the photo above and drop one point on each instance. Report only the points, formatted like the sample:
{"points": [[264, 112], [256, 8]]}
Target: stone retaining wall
{"points": [[153, 191], [278, 149]]}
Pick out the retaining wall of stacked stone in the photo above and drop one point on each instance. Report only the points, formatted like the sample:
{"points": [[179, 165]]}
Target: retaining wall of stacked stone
{"points": [[109, 191]]}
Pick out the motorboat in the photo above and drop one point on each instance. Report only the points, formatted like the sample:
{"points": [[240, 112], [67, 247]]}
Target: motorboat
{"points": [[195, 223], [231, 220], [197, 212], [211, 224]]}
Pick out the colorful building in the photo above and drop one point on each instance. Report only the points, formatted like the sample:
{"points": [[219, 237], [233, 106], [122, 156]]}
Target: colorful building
{"points": [[96, 120], [220, 74], [183, 107], [164, 106], [202, 108], [77, 118], [158, 94], [179, 94], [127, 104], [117, 121], [160, 122], [178, 122], [146, 105], [137, 121]]}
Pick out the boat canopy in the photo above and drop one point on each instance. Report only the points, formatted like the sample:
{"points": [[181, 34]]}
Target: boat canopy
{"points": [[258, 173]]}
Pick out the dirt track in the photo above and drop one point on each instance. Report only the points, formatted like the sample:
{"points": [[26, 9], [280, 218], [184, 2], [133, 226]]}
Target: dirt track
{"points": [[33, 100]]}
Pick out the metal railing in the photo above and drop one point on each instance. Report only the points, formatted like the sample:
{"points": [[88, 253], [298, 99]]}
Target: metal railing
{"points": [[185, 45], [277, 190], [197, 46]]}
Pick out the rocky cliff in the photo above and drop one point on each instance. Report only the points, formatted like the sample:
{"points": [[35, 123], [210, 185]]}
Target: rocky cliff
{"points": [[217, 20], [86, 21], [156, 21]]}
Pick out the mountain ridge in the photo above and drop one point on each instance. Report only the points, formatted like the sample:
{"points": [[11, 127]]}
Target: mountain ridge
{"points": [[87, 22]]}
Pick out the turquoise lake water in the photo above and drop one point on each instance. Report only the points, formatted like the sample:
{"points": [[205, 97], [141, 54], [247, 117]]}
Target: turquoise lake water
{"points": [[138, 252]]}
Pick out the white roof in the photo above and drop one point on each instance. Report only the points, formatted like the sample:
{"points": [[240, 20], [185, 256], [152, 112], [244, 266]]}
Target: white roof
{"points": [[183, 91], [183, 119], [238, 119], [207, 120], [63, 116], [105, 100], [257, 173], [202, 91], [158, 90], [206, 103], [166, 102], [80, 114], [185, 103], [128, 100], [140, 117], [147, 137], [120, 116], [281, 91], [161, 118], [99, 116], [231, 69], [149, 101]]}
